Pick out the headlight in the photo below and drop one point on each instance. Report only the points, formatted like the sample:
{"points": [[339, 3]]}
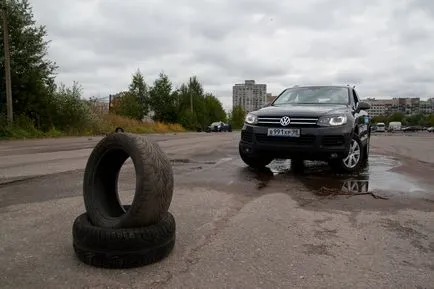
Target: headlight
{"points": [[251, 118], [332, 120]]}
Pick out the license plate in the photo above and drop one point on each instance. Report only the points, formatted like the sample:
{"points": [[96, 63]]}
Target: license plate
{"points": [[287, 132]]}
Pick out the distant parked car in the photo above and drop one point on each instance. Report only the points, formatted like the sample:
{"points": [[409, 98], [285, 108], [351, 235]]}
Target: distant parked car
{"points": [[410, 129], [430, 129], [381, 127], [394, 126], [219, 126]]}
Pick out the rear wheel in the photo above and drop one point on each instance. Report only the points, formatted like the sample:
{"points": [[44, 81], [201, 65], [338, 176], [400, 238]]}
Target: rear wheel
{"points": [[256, 162], [354, 160]]}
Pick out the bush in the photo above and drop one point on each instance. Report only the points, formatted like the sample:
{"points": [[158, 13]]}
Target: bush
{"points": [[23, 127], [112, 121]]}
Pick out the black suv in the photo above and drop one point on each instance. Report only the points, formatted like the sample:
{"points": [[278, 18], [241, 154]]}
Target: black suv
{"points": [[327, 123]]}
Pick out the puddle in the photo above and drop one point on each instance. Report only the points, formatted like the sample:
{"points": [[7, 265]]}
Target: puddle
{"points": [[376, 179]]}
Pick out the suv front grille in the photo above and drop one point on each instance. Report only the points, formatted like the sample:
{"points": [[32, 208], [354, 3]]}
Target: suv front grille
{"points": [[273, 121], [333, 140], [302, 140], [246, 136]]}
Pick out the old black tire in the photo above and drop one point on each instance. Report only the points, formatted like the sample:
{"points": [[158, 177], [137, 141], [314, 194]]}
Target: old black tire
{"points": [[154, 182], [123, 248], [340, 165], [255, 162], [119, 129]]}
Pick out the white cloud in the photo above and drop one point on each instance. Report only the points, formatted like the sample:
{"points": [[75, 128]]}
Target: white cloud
{"points": [[382, 47]]}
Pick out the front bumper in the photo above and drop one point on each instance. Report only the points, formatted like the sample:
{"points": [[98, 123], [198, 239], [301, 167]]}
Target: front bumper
{"points": [[314, 143]]}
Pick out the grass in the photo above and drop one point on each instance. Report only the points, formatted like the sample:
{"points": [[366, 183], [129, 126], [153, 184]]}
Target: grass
{"points": [[25, 129], [113, 121]]}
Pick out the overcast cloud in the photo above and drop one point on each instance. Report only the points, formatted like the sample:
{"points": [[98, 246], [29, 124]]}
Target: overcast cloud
{"points": [[383, 47]]}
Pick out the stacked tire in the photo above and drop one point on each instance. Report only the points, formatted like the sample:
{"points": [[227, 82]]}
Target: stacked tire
{"points": [[112, 235]]}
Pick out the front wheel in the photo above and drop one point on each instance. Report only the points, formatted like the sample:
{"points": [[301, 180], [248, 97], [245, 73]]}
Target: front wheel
{"points": [[354, 160], [255, 162], [366, 150]]}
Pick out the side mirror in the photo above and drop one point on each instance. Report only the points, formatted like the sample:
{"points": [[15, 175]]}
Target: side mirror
{"points": [[363, 106]]}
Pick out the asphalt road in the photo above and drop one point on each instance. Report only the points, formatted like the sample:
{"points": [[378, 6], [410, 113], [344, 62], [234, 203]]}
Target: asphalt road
{"points": [[236, 228]]}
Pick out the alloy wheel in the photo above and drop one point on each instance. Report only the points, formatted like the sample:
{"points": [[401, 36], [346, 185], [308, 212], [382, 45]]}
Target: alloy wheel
{"points": [[353, 156]]}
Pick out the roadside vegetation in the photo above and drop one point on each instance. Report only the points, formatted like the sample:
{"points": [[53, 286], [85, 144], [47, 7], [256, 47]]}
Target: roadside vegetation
{"points": [[44, 108], [413, 120]]}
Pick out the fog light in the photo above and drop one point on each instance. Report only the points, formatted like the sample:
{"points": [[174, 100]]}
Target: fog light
{"points": [[334, 155]]}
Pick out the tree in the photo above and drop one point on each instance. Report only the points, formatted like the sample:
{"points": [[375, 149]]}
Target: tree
{"points": [[71, 113], [237, 117], [163, 100], [139, 88], [127, 104], [430, 120], [213, 109], [416, 119], [196, 96], [32, 75], [397, 116]]}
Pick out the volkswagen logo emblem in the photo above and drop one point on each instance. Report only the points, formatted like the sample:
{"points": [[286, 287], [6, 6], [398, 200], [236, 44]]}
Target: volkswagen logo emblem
{"points": [[284, 121]]}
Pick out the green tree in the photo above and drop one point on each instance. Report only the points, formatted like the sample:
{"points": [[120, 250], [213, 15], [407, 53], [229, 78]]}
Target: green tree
{"points": [[196, 93], [70, 112], [191, 96], [32, 75], [237, 117], [379, 118], [416, 119], [430, 120], [163, 100], [139, 88], [128, 104], [213, 109], [396, 116]]}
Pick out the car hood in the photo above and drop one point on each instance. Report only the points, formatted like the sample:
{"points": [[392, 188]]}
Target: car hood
{"points": [[301, 110]]}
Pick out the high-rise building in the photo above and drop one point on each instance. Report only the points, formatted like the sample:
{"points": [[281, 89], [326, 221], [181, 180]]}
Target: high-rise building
{"points": [[249, 95]]}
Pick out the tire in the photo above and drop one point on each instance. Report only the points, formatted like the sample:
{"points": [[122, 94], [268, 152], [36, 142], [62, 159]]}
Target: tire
{"points": [[341, 165], [154, 182], [297, 165], [366, 150], [123, 248], [119, 129], [254, 162]]}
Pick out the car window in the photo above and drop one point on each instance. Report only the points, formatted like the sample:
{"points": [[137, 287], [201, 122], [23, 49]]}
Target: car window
{"points": [[312, 95]]}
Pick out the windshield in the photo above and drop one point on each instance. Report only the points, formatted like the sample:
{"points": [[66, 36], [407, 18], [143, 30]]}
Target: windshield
{"points": [[312, 95]]}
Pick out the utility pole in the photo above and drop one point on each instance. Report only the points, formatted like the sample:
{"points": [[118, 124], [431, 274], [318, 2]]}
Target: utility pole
{"points": [[7, 65], [191, 102]]}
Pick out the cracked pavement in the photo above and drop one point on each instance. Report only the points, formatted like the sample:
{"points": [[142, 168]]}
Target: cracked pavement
{"points": [[236, 228]]}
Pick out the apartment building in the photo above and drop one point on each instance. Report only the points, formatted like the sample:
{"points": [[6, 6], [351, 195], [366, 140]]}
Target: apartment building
{"points": [[270, 97], [407, 106], [249, 95]]}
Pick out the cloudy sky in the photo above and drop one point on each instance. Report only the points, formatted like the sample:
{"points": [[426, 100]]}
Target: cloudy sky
{"points": [[384, 47]]}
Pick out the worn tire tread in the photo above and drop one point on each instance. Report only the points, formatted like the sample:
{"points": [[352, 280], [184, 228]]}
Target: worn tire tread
{"points": [[125, 247], [154, 185]]}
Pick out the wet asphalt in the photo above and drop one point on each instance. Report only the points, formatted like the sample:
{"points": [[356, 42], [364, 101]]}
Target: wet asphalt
{"points": [[237, 227]]}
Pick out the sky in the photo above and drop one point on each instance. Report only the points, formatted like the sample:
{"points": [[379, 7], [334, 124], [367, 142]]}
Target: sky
{"points": [[383, 47]]}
